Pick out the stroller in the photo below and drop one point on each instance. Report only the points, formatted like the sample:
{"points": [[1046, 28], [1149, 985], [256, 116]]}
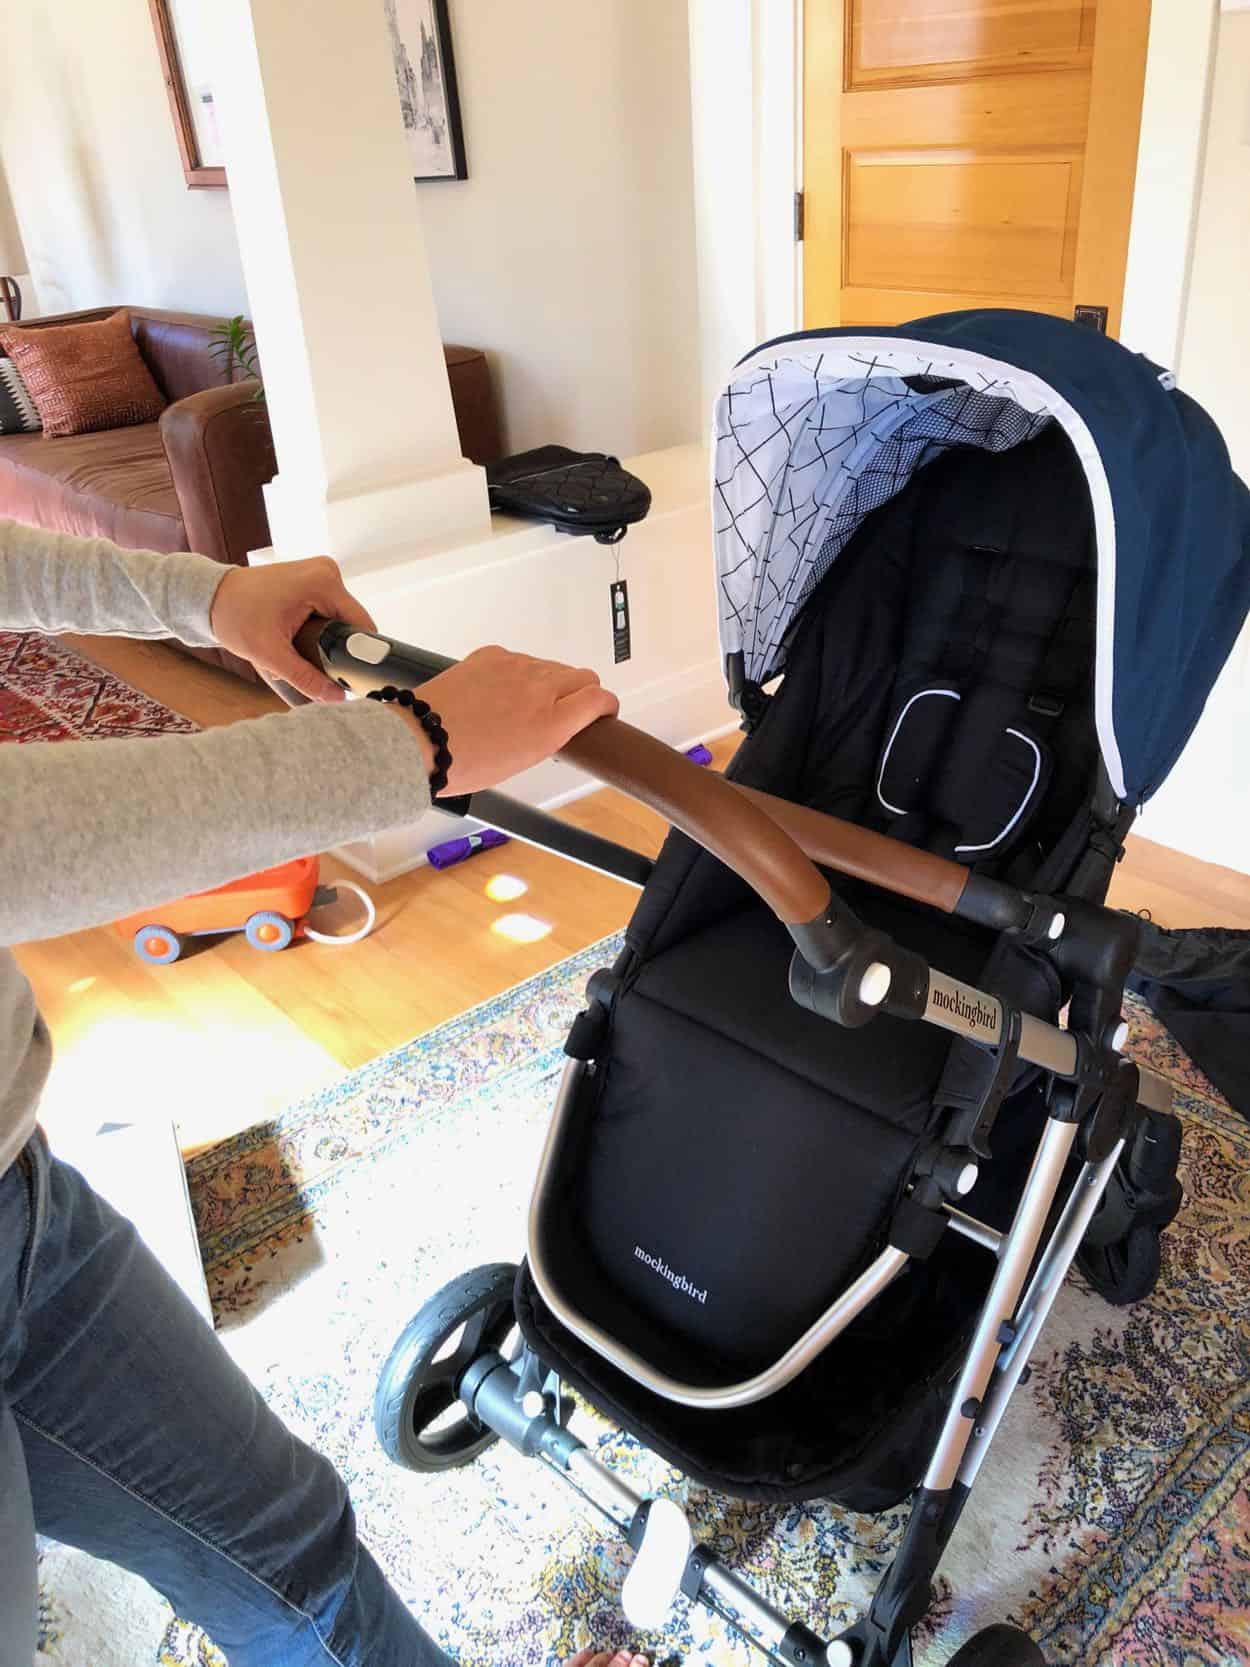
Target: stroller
{"points": [[858, 1070]]}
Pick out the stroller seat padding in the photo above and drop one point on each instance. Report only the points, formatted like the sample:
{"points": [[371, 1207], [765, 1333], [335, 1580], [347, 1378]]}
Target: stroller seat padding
{"points": [[732, 978], [743, 1157]]}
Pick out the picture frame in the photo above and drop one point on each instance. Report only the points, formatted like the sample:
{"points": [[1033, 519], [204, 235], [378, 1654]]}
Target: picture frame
{"points": [[178, 24], [425, 74]]}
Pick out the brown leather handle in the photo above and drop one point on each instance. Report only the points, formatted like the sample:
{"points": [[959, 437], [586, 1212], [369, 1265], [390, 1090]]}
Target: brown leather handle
{"points": [[695, 800], [709, 809], [875, 857]]}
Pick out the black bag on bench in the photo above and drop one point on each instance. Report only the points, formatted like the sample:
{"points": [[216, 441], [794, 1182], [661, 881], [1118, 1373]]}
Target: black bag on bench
{"points": [[578, 492]]}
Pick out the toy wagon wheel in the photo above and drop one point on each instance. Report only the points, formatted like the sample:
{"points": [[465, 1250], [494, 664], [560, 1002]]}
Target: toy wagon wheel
{"points": [[269, 930], [416, 1414], [998, 1646], [157, 944]]}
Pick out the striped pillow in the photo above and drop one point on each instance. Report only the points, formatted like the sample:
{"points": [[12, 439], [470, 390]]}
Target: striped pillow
{"points": [[17, 408]]}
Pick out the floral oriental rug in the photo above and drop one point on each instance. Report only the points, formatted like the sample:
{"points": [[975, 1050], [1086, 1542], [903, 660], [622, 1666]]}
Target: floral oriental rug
{"points": [[49, 693], [1112, 1518]]}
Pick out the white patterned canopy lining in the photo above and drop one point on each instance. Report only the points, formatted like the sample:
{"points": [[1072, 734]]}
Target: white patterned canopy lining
{"points": [[810, 437]]}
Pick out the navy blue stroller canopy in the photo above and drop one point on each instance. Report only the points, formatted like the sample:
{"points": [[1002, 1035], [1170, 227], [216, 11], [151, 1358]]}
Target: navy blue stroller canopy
{"points": [[818, 429]]}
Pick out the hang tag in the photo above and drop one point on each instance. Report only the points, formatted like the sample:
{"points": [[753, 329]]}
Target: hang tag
{"points": [[620, 621]]}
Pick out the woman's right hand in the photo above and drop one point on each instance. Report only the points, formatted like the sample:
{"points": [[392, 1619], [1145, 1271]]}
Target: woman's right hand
{"points": [[504, 711]]}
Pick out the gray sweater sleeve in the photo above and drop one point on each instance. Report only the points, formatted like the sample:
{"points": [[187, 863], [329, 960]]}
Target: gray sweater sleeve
{"points": [[53, 582], [91, 832]]}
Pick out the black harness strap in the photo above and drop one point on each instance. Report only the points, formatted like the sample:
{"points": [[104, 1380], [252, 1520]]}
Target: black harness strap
{"points": [[1064, 673]]}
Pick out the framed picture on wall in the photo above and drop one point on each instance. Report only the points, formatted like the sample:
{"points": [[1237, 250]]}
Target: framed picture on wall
{"points": [[426, 74], [181, 36]]}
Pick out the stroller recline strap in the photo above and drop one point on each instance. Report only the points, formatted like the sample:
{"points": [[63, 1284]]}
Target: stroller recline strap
{"points": [[1064, 673]]}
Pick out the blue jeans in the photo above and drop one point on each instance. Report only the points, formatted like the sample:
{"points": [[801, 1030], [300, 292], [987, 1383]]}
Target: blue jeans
{"points": [[127, 1430]]}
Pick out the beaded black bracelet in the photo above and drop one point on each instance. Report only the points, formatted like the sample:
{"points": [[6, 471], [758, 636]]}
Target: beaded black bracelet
{"points": [[431, 723]]}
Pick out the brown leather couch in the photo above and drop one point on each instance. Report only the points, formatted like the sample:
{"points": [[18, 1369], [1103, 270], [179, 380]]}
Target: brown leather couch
{"points": [[193, 480]]}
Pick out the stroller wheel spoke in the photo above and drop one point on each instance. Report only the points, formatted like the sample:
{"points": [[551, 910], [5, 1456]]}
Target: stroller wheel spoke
{"points": [[416, 1410]]}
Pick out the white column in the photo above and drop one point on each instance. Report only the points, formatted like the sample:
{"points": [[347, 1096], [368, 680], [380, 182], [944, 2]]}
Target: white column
{"points": [[338, 285], [744, 82]]}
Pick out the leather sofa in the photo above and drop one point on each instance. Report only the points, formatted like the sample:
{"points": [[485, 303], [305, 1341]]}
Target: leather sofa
{"points": [[193, 480]]}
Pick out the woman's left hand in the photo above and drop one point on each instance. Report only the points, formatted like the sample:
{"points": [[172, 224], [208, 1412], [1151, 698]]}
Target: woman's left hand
{"points": [[257, 611]]}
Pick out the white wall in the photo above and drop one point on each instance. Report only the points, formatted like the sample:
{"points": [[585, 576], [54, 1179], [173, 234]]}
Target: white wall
{"points": [[569, 250], [1204, 807], [1175, 107], [568, 254], [744, 61], [89, 150]]}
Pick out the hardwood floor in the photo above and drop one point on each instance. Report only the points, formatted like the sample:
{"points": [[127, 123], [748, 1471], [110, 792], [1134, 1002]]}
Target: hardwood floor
{"points": [[228, 1036]]}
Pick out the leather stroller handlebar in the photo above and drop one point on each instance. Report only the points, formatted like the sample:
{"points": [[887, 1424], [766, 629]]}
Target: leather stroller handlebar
{"points": [[864, 855], [703, 805], [756, 845]]}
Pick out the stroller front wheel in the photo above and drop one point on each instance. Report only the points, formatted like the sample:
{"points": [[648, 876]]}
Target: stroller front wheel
{"points": [[416, 1412], [998, 1646]]}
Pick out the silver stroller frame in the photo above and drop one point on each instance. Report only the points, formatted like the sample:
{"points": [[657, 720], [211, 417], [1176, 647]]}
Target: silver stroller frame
{"points": [[848, 975]]}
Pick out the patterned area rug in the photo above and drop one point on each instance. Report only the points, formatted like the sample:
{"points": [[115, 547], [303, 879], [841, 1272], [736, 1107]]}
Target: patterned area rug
{"points": [[1112, 1518], [49, 693]]}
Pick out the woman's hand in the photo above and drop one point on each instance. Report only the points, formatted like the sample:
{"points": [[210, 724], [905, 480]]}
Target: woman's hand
{"points": [[504, 711], [257, 611]]}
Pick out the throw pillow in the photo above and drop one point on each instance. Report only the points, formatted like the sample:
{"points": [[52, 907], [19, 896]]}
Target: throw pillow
{"points": [[17, 408], [84, 377]]}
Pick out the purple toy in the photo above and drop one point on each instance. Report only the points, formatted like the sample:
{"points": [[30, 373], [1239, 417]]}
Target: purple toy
{"points": [[457, 850], [699, 754]]}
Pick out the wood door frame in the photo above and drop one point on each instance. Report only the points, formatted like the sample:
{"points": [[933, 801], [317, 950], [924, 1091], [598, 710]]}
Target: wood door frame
{"points": [[1159, 233], [1120, 40], [1162, 227]]}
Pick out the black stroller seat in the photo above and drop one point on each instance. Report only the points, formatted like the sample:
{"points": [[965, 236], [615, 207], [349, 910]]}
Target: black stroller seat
{"points": [[738, 1159]]}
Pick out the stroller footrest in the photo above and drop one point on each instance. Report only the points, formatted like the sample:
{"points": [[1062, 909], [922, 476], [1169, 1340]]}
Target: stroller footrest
{"points": [[663, 1542]]}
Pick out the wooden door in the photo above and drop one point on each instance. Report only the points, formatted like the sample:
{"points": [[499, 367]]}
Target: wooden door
{"points": [[968, 153]]}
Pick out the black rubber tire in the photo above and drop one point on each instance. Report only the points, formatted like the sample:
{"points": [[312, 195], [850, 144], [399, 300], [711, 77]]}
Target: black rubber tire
{"points": [[415, 1387], [998, 1646], [1126, 1270]]}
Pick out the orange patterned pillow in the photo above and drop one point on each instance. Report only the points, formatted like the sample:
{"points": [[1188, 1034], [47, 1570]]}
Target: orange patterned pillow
{"points": [[85, 376]]}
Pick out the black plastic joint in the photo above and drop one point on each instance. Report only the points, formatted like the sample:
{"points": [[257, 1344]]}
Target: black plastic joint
{"points": [[637, 1530], [801, 1646], [587, 1033], [590, 1027], [1098, 945], [1005, 1334], [837, 960], [971, 1408], [945, 1168], [1109, 1117], [697, 1564], [917, 1230], [1039, 928]]}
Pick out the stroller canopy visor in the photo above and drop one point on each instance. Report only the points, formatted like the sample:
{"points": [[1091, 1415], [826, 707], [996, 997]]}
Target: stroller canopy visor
{"points": [[816, 430]]}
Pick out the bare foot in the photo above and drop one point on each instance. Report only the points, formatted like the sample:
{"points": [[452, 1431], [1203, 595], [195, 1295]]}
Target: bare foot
{"points": [[606, 1658]]}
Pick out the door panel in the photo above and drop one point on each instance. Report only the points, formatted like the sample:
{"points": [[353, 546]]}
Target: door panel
{"points": [[956, 215], [905, 41], [968, 153]]}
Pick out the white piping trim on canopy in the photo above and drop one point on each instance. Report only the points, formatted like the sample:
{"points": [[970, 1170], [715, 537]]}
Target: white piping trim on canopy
{"points": [[867, 357]]}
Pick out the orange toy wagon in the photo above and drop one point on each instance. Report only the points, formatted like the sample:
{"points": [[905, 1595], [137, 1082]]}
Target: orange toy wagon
{"points": [[268, 908]]}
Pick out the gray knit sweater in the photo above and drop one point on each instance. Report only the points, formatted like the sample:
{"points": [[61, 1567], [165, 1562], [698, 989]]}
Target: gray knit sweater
{"points": [[91, 832]]}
